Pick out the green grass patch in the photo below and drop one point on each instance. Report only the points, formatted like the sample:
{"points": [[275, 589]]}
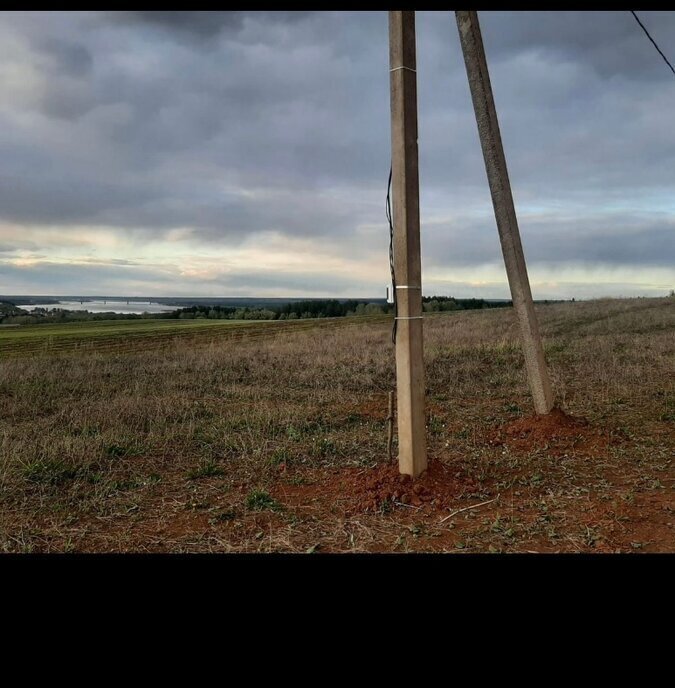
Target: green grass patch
{"points": [[208, 469], [130, 335], [51, 472], [259, 500], [281, 456], [116, 451], [324, 447]]}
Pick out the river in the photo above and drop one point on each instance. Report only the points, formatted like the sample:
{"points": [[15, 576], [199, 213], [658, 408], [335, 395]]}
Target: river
{"points": [[107, 306]]}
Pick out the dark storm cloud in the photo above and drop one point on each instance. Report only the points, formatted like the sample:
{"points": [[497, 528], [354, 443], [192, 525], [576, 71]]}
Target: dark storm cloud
{"points": [[68, 58], [268, 119], [52, 198], [609, 43], [203, 24], [309, 282], [233, 123], [620, 239], [565, 116]]}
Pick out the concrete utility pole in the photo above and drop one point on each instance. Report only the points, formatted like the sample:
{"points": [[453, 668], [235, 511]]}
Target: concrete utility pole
{"points": [[505, 213], [412, 458]]}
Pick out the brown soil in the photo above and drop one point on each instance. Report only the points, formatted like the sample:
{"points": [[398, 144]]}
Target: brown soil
{"points": [[441, 486], [555, 431], [437, 487], [497, 482], [369, 490]]}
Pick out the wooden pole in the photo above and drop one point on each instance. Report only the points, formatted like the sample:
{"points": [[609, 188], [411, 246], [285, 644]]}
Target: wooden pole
{"points": [[505, 213], [412, 458], [390, 426]]}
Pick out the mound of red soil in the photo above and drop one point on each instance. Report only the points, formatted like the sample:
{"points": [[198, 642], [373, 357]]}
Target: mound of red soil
{"points": [[554, 424], [368, 490], [437, 487], [553, 430]]}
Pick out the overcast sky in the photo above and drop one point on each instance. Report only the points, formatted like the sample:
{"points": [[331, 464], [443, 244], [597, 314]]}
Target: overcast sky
{"points": [[247, 153]]}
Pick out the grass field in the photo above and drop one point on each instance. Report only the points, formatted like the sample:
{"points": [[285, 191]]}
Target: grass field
{"points": [[134, 335], [190, 436]]}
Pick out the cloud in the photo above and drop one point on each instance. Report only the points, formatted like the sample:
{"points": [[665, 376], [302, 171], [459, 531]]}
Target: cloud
{"points": [[175, 134], [199, 25], [611, 239]]}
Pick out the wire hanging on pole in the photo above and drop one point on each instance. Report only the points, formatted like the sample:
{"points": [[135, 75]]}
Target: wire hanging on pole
{"points": [[391, 255], [637, 19]]}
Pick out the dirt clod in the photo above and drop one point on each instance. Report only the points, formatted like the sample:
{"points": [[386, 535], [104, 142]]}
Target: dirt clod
{"points": [[384, 484], [556, 431]]}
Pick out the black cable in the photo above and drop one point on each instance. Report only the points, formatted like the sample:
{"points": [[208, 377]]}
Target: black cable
{"points": [[391, 255], [653, 41]]}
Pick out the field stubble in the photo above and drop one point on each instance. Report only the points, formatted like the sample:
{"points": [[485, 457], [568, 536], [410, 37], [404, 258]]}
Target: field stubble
{"points": [[277, 441]]}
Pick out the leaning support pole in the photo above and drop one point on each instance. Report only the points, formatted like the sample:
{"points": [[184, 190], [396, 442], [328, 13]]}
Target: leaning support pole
{"points": [[412, 458], [505, 213]]}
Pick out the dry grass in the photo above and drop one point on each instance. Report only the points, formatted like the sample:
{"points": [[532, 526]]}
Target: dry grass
{"points": [[229, 445]]}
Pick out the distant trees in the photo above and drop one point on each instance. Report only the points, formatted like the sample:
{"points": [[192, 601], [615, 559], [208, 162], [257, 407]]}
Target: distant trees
{"points": [[366, 309], [16, 316], [328, 308], [434, 304], [292, 310], [9, 310]]}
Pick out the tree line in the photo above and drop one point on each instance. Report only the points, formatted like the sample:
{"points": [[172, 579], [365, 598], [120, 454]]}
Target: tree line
{"points": [[294, 310], [435, 304], [328, 308]]}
